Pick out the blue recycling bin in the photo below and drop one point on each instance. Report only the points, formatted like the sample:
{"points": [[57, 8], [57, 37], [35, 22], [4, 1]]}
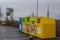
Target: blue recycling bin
{"points": [[20, 24]]}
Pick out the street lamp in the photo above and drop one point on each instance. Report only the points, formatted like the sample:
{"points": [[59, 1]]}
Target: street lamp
{"points": [[37, 8]]}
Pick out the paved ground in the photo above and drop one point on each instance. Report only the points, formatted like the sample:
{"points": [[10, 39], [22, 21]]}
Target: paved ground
{"points": [[9, 33]]}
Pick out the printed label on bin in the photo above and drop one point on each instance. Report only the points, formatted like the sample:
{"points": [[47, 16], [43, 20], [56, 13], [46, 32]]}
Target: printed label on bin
{"points": [[38, 30], [32, 27], [23, 26], [20, 26], [28, 28]]}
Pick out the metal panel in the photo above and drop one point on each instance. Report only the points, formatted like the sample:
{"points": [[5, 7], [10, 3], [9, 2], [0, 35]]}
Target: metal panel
{"points": [[20, 24]]}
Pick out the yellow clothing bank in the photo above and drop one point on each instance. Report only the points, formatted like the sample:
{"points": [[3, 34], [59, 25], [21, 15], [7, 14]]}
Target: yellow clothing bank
{"points": [[45, 28]]}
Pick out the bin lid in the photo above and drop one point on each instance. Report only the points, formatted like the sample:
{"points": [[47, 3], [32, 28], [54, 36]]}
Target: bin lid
{"points": [[47, 20]]}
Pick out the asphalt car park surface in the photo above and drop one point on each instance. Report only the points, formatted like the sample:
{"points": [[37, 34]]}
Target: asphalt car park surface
{"points": [[10, 33]]}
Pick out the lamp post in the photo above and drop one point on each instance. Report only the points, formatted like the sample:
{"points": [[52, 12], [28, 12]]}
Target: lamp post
{"points": [[48, 12], [37, 8]]}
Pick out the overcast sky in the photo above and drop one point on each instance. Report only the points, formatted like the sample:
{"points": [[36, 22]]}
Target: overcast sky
{"points": [[25, 7]]}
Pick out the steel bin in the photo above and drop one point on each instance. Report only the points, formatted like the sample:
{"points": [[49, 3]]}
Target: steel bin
{"points": [[20, 24], [45, 28]]}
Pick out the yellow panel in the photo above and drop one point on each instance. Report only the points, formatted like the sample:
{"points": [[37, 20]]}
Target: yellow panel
{"points": [[47, 20], [49, 31], [39, 31]]}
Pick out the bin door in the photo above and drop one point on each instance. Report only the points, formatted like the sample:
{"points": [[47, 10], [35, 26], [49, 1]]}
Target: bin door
{"points": [[20, 24], [33, 30], [23, 27], [38, 29], [28, 28], [20, 27]]}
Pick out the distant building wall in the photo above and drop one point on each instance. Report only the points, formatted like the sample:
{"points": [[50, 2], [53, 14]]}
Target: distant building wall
{"points": [[58, 27]]}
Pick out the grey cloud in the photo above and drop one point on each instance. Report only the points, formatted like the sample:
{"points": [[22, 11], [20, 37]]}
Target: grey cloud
{"points": [[25, 7]]}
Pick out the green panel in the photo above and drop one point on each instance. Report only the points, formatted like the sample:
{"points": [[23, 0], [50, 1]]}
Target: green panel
{"points": [[32, 20], [24, 20], [28, 20], [24, 24]]}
